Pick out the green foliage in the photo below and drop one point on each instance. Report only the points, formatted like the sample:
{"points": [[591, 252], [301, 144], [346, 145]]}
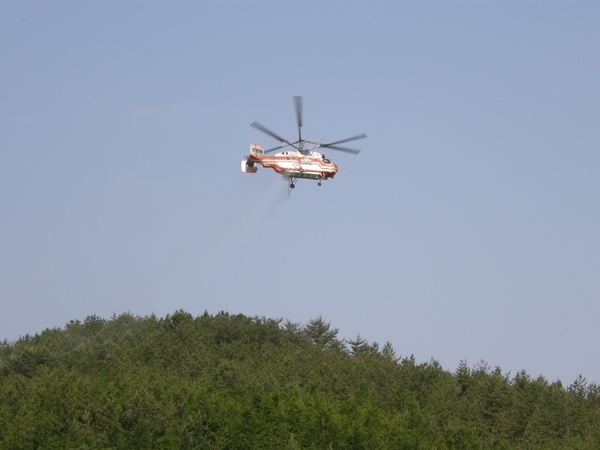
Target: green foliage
{"points": [[235, 382]]}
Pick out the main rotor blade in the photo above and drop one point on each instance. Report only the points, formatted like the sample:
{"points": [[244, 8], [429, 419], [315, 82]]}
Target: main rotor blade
{"points": [[342, 149], [264, 129], [353, 138], [275, 148], [298, 103]]}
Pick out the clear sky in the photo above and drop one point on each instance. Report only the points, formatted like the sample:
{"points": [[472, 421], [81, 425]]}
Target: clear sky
{"points": [[468, 228]]}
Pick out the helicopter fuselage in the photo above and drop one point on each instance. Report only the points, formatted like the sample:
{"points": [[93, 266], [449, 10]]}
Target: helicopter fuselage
{"points": [[291, 164]]}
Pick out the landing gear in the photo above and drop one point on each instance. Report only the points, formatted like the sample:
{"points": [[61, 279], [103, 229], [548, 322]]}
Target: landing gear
{"points": [[293, 180], [292, 184]]}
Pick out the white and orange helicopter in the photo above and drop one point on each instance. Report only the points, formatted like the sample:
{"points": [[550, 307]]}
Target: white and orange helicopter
{"points": [[299, 161]]}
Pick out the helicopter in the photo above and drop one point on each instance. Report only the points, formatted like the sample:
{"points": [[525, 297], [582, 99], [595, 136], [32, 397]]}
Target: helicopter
{"points": [[302, 160]]}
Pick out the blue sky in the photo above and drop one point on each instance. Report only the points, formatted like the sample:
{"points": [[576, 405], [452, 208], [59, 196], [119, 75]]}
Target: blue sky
{"points": [[466, 229]]}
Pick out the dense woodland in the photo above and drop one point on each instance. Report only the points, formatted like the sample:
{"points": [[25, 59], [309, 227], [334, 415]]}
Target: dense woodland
{"points": [[235, 382]]}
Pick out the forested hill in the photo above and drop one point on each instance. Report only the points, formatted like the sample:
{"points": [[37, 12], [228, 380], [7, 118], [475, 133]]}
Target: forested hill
{"points": [[237, 382]]}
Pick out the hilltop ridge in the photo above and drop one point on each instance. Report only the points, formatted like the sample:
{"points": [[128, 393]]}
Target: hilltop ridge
{"points": [[233, 381]]}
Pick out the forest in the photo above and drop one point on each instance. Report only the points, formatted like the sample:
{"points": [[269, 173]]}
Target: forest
{"points": [[228, 381]]}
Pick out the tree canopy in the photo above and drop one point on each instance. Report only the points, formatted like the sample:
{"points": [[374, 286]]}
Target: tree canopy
{"points": [[228, 381]]}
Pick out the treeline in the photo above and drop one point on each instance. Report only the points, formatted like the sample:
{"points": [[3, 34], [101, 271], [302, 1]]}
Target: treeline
{"points": [[236, 382]]}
